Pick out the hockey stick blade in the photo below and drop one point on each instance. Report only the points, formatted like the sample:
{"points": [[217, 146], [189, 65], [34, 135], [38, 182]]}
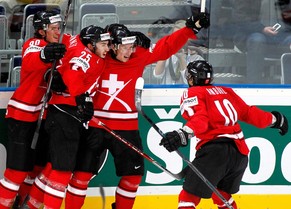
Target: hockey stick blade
{"points": [[138, 91], [177, 176], [138, 95]]}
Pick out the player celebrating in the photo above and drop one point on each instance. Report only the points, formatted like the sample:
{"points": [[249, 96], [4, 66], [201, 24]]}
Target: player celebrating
{"points": [[114, 103], [23, 109], [68, 112], [212, 114]]}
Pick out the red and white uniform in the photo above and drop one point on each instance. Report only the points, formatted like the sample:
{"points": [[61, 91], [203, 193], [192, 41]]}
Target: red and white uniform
{"points": [[80, 69], [114, 104], [25, 103], [214, 111]]}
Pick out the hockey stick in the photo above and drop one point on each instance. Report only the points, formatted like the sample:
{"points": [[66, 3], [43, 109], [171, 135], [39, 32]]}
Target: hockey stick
{"points": [[177, 176], [102, 193], [46, 96], [202, 6], [138, 93]]}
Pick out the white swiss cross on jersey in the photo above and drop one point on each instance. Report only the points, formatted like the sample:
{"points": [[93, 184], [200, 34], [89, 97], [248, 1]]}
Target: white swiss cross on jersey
{"points": [[112, 84]]}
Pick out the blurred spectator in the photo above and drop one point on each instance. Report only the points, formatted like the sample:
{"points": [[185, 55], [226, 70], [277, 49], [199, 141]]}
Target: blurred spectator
{"points": [[160, 28], [15, 10], [171, 71], [221, 30], [259, 40]]}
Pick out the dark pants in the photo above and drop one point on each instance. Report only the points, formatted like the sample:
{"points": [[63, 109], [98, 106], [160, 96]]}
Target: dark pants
{"points": [[221, 163]]}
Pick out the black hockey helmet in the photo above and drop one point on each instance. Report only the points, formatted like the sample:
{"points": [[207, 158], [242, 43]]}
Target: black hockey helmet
{"points": [[200, 71], [120, 34], [41, 19], [93, 34]]}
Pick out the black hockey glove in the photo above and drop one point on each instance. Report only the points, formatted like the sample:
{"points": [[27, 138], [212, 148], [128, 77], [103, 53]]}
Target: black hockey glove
{"points": [[141, 39], [85, 107], [57, 84], [198, 21], [175, 139], [52, 52], [281, 123]]}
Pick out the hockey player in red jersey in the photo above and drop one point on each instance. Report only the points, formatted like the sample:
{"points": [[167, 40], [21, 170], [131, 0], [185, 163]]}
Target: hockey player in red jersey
{"points": [[212, 114], [23, 108], [69, 111], [114, 102]]}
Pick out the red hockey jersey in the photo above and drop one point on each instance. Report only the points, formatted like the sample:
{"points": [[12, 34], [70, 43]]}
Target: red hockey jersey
{"points": [[214, 111], [80, 69], [114, 103], [26, 102]]}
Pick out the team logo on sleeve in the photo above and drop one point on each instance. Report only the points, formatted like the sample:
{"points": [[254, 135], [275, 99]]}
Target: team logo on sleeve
{"points": [[32, 48], [79, 63], [189, 102], [187, 105]]}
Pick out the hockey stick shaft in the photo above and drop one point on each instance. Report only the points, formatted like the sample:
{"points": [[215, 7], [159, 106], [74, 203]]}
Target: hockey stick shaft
{"points": [[202, 6], [178, 176], [46, 96], [102, 193], [138, 94]]}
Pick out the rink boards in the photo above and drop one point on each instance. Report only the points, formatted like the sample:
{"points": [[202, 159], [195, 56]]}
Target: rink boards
{"points": [[266, 183]]}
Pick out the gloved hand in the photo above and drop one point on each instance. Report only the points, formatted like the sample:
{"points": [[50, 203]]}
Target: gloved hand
{"points": [[281, 123], [141, 39], [85, 107], [175, 139], [52, 52], [57, 84], [198, 21]]}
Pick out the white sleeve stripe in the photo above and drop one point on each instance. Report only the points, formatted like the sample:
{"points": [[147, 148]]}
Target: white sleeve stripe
{"points": [[25, 107], [238, 136], [112, 115]]}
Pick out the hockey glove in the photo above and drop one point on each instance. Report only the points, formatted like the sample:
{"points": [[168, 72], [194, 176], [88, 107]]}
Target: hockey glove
{"points": [[52, 52], [281, 123], [57, 83], [85, 107], [198, 21], [141, 39], [175, 139]]}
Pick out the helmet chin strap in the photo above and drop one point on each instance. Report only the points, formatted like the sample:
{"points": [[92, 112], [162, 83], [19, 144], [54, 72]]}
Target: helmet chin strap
{"points": [[43, 36], [190, 82], [114, 52], [94, 47]]}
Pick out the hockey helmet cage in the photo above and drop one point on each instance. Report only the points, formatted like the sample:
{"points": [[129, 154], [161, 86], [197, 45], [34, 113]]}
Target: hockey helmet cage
{"points": [[93, 34], [41, 19], [120, 34], [201, 72]]}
